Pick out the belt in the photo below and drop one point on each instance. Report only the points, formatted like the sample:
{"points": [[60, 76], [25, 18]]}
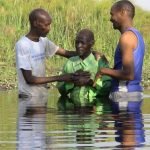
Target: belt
{"points": [[126, 96]]}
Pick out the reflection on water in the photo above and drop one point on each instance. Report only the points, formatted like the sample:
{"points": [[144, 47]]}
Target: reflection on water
{"points": [[129, 130], [31, 123], [42, 127]]}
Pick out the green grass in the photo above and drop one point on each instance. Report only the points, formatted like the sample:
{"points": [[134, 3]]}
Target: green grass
{"points": [[69, 16]]}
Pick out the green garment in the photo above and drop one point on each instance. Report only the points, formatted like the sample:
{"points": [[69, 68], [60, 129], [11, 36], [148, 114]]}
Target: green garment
{"points": [[100, 106], [85, 95]]}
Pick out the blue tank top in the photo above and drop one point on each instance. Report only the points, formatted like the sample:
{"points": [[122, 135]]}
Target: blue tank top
{"points": [[135, 84]]}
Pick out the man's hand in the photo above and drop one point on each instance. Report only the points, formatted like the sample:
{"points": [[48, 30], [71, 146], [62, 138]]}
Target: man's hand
{"points": [[98, 75], [79, 78], [82, 78], [99, 56], [83, 81], [75, 77], [82, 73], [67, 77]]}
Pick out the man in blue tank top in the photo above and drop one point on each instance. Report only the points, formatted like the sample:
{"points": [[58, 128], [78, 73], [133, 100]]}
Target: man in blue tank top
{"points": [[126, 93]]}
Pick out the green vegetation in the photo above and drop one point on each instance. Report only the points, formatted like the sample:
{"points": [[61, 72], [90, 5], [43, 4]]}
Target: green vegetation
{"points": [[69, 16]]}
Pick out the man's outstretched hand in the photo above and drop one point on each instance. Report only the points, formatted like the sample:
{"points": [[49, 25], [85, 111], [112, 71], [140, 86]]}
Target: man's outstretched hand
{"points": [[82, 73], [82, 78], [99, 55], [79, 78]]}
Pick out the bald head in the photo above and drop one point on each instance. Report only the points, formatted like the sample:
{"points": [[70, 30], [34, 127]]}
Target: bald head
{"points": [[38, 13], [125, 5]]}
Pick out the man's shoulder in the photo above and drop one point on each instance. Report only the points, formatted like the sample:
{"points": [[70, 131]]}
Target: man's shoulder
{"points": [[129, 34], [45, 40], [71, 61], [23, 44], [22, 41], [128, 38]]}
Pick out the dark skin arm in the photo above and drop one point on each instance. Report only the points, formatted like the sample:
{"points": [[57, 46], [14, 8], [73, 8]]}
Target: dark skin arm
{"points": [[65, 53], [70, 77], [68, 54], [128, 43], [30, 79]]}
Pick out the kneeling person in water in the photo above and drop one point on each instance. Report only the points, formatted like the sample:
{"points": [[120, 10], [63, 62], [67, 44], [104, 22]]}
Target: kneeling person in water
{"points": [[81, 92]]}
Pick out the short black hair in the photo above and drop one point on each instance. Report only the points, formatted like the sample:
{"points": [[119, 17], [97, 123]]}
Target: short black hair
{"points": [[126, 5], [88, 33], [34, 14]]}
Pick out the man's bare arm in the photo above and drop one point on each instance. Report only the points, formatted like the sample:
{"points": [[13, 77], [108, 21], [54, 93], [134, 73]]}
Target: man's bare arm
{"points": [[68, 54], [30, 79], [127, 43], [65, 53]]}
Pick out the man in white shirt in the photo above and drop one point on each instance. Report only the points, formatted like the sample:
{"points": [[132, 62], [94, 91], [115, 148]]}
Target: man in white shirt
{"points": [[31, 51]]}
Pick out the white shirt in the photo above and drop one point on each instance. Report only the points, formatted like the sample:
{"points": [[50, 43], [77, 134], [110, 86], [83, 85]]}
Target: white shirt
{"points": [[31, 55]]}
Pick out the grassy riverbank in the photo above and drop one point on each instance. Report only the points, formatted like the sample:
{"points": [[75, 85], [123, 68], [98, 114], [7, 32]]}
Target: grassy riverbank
{"points": [[69, 16]]}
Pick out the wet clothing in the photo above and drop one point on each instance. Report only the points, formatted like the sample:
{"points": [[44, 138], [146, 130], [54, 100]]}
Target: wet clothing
{"points": [[127, 106], [31, 55], [85, 95], [127, 95]]}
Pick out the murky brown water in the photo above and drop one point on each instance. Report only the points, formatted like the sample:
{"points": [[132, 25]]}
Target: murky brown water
{"points": [[46, 128]]}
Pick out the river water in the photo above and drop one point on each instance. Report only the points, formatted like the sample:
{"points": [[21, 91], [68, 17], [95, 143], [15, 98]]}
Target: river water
{"points": [[47, 128]]}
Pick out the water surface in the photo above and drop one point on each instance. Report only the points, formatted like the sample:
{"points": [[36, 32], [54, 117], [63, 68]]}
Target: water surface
{"points": [[46, 128]]}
